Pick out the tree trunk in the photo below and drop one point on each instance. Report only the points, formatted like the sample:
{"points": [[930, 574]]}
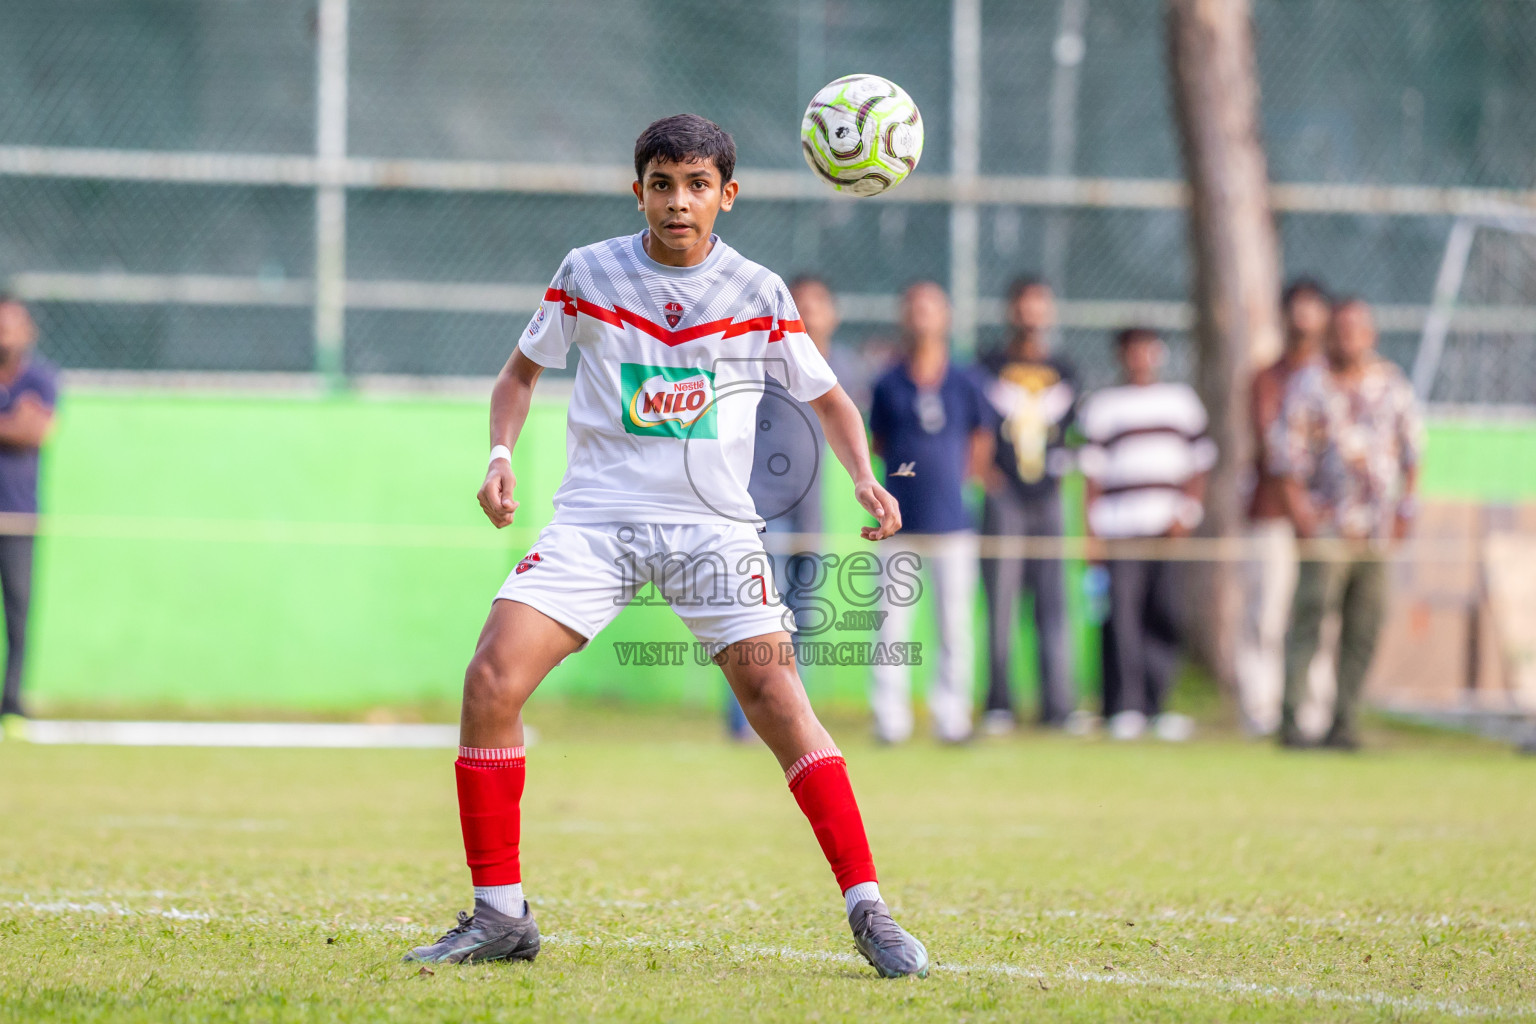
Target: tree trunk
{"points": [[1236, 281]]}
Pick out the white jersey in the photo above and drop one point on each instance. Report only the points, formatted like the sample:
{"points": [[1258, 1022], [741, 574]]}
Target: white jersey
{"points": [[662, 419]]}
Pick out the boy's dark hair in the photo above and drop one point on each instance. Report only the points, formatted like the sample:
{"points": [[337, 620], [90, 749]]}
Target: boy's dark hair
{"points": [[1134, 334], [1299, 286], [682, 136], [1023, 283]]}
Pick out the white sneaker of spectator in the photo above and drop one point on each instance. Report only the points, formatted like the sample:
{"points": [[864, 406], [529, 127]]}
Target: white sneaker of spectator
{"points": [[998, 723], [1080, 723], [1126, 725], [1171, 727]]}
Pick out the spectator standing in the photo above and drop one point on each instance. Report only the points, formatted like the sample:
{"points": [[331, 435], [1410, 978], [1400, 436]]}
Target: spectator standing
{"points": [[1034, 393], [1145, 457], [28, 392], [932, 424], [1347, 446], [785, 484], [1270, 577]]}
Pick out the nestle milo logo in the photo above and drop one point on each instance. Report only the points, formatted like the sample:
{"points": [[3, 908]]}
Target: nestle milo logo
{"points": [[668, 401]]}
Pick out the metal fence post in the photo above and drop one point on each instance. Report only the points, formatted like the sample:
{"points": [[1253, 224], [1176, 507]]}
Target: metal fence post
{"points": [[810, 67], [1067, 52], [965, 165], [330, 192]]}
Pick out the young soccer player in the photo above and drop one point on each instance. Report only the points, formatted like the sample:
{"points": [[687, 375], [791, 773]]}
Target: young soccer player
{"points": [[676, 331]]}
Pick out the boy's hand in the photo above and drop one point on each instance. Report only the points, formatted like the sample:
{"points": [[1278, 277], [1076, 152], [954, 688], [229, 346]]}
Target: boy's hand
{"points": [[877, 501], [496, 494]]}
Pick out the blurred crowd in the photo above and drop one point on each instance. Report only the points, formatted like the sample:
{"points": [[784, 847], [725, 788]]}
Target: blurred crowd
{"points": [[1336, 437]]}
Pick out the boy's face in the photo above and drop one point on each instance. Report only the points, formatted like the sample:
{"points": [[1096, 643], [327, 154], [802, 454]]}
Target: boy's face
{"points": [[1141, 359], [681, 201]]}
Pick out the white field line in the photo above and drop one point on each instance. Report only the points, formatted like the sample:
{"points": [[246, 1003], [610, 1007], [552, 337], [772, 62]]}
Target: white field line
{"points": [[746, 953], [332, 735], [1200, 917], [110, 908], [1141, 919], [1149, 919], [1231, 987]]}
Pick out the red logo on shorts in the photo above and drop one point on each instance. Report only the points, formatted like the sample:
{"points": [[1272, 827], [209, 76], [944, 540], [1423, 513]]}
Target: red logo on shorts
{"points": [[528, 563], [674, 311]]}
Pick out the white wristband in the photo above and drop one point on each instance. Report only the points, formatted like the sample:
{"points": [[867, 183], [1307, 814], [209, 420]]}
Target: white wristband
{"points": [[501, 451]]}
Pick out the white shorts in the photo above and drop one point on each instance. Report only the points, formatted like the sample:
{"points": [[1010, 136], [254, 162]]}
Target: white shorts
{"points": [[717, 577]]}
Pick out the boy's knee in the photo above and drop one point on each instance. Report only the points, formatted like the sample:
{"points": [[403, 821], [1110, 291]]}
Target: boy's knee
{"points": [[775, 696], [486, 682]]}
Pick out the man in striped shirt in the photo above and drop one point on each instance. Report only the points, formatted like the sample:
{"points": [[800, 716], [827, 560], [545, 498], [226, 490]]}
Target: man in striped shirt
{"points": [[1145, 459]]}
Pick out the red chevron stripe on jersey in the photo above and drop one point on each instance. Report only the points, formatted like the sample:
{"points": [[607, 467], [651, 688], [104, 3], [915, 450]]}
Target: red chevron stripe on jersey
{"points": [[618, 316]]}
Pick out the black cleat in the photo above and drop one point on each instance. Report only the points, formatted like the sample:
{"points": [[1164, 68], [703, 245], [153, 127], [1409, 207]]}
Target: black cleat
{"points": [[487, 934], [885, 944]]}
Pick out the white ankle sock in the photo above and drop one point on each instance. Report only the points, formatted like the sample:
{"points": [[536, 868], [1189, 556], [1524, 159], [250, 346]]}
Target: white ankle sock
{"points": [[508, 899], [855, 894]]}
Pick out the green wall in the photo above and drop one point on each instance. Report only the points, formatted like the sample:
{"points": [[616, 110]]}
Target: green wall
{"points": [[329, 553]]}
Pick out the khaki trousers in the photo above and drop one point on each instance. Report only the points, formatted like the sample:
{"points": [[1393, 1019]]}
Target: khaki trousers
{"points": [[1357, 587]]}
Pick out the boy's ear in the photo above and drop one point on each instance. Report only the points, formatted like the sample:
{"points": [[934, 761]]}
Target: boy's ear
{"points": [[638, 197], [728, 194]]}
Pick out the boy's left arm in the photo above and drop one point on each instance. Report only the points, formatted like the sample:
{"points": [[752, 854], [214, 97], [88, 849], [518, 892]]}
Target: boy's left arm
{"points": [[844, 430]]}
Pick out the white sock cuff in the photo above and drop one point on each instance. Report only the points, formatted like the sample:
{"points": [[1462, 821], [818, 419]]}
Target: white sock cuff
{"points": [[506, 899], [856, 894], [492, 756], [809, 761]]}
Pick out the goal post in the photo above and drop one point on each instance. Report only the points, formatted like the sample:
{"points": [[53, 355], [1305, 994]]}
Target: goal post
{"points": [[1499, 251]]}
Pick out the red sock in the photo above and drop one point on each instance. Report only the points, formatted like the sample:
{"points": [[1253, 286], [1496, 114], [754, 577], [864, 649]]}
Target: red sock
{"points": [[490, 791], [819, 781]]}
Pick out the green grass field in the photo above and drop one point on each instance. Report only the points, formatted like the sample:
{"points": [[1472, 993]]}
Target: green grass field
{"points": [[674, 879]]}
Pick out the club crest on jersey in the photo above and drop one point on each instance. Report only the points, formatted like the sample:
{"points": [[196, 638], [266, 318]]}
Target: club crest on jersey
{"points": [[674, 312], [536, 323], [668, 401], [528, 562]]}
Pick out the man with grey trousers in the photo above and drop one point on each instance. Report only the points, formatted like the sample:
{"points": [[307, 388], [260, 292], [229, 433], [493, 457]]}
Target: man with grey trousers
{"points": [[1034, 393]]}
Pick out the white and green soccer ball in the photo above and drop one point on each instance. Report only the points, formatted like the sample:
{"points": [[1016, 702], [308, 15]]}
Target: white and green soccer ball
{"points": [[862, 134]]}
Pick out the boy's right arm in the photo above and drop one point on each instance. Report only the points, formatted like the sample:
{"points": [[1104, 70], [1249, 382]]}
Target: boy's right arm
{"points": [[510, 398]]}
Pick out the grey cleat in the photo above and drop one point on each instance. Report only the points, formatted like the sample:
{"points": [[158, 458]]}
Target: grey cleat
{"points": [[885, 944], [487, 934]]}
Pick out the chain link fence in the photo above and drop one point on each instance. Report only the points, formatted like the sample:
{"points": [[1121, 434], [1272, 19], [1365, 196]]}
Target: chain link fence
{"points": [[159, 167]]}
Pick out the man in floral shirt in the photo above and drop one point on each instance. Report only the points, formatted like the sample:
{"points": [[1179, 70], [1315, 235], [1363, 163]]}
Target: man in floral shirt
{"points": [[1347, 447]]}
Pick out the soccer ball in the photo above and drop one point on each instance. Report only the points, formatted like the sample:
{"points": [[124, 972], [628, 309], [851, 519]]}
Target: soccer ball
{"points": [[862, 134]]}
